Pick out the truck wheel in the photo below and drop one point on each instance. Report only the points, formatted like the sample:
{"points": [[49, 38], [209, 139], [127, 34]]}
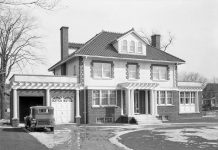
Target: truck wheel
{"points": [[52, 129]]}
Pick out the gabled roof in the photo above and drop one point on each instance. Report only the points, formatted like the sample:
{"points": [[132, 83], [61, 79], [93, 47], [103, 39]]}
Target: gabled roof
{"points": [[101, 46]]}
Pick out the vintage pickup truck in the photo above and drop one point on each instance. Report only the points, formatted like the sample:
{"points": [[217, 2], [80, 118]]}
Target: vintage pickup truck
{"points": [[40, 117]]}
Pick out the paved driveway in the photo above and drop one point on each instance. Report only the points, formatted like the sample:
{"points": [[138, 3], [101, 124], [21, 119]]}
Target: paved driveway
{"points": [[18, 139]]}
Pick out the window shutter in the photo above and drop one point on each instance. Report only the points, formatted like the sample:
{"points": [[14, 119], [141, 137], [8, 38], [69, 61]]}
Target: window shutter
{"points": [[91, 69], [127, 72], [112, 70], [168, 73], [138, 71], [151, 72]]}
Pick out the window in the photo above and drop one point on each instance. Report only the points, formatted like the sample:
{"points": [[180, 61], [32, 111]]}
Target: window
{"points": [[43, 111], [169, 97], [140, 47], [102, 70], [132, 47], [132, 71], [159, 72], [187, 97], [164, 97], [124, 46], [96, 97], [104, 97]]}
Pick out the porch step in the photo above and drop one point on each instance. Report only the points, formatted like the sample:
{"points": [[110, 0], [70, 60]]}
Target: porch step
{"points": [[146, 119]]}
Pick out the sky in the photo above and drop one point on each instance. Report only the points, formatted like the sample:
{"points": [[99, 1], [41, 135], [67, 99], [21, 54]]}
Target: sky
{"points": [[193, 23]]}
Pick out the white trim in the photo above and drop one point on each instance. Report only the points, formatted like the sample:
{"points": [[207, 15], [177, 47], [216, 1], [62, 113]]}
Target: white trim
{"points": [[145, 60]]}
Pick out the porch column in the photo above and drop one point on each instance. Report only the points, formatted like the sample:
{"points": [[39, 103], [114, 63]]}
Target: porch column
{"points": [[154, 99], [15, 116], [151, 102], [121, 102], [77, 107], [48, 100], [197, 103], [146, 101], [132, 103], [127, 92]]}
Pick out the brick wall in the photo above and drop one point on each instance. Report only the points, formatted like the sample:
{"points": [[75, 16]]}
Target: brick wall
{"points": [[170, 111], [173, 111], [100, 112]]}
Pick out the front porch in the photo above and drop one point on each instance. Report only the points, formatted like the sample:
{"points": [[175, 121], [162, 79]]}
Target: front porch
{"points": [[138, 101]]}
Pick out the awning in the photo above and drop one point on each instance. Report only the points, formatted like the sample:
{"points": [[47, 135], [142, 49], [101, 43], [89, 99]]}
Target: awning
{"points": [[44, 85], [138, 85]]}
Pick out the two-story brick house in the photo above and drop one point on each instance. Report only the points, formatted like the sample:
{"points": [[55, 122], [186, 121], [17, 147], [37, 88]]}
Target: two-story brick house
{"points": [[111, 78]]}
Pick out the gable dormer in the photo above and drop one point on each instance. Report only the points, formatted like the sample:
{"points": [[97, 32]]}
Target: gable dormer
{"points": [[130, 43]]}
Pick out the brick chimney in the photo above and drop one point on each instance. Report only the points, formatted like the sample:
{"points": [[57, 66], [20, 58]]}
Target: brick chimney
{"points": [[155, 41], [64, 42]]}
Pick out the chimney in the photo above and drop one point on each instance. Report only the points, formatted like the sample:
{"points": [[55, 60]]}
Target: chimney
{"points": [[64, 42], [155, 41]]}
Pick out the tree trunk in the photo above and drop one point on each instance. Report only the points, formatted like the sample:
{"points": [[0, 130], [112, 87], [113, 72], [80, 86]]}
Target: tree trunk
{"points": [[2, 95]]}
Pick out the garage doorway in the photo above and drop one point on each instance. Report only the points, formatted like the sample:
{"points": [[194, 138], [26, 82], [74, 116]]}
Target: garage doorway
{"points": [[25, 103]]}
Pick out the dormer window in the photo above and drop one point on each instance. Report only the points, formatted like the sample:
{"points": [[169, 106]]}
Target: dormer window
{"points": [[124, 46], [140, 47], [132, 47]]}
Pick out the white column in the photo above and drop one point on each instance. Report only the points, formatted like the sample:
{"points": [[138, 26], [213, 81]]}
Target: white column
{"points": [[154, 103], [146, 102], [132, 103], [127, 102], [48, 100], [15, 116], [121, 102], [197, 103], [151, 102], [77, 104]]}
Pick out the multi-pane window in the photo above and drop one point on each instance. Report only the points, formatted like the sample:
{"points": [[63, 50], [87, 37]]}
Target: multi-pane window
{"points": [[187, 97], [124, 46], [104, 97], [96, 97], [102, 70], [159, 72], [132, 47], [132, 71], [169, 97], [164, 97], [139, 47]]}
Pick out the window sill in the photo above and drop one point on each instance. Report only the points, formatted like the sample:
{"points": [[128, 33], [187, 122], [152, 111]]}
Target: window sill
{"points": [[104, 106], [132, 79], [102, 78], [160, 80], [166, 105]]}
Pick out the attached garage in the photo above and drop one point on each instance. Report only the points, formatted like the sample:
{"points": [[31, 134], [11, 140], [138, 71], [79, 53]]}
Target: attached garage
{"points": [[25, 102], [63, 103], [43, 90]]}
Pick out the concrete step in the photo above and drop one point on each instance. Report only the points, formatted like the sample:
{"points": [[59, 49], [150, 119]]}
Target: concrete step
{"points": [[147, 119]]}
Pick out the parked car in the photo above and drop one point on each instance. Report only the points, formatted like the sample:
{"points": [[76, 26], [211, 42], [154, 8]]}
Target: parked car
{"points": [[40, 117]]}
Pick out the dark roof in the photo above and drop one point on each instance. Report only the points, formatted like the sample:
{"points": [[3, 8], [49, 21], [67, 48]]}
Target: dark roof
{"points": [[210, 90], [101, 45], [75, 45]]}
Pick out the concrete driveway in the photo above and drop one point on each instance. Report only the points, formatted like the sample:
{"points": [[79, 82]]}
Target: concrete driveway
{"points": [[18, 139]]}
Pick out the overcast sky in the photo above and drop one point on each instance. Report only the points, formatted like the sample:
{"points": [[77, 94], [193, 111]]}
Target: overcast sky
{"points": [[194, 23]]}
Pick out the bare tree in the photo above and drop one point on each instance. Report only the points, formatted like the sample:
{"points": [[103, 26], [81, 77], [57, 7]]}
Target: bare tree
{"points": [[164, 44], [45, 4], [192, 76], [17, 43]]}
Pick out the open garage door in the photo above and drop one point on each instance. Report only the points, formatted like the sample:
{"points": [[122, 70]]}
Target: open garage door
{"points": [[25, 103]]}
